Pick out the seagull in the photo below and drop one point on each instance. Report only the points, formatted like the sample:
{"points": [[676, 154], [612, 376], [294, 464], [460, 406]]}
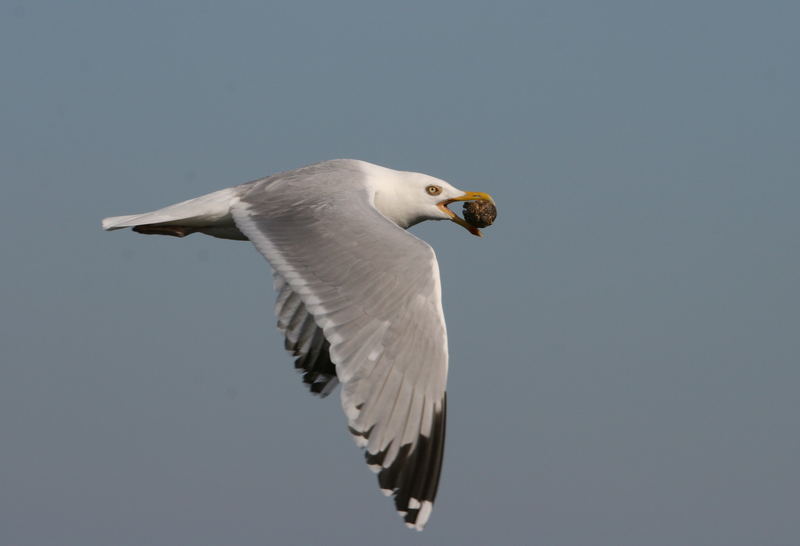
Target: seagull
{"points": [[358, 299]]}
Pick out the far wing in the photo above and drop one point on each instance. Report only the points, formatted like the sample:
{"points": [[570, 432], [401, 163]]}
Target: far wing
{"points": [[304, 339]]}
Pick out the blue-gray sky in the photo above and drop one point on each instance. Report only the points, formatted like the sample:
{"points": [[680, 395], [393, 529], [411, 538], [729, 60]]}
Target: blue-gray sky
{"points": [[624, 341]]}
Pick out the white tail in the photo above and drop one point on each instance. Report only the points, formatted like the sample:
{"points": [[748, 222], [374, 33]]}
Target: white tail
{"points": [[209, 214]]}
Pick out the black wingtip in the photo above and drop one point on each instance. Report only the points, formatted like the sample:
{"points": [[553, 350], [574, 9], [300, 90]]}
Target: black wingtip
{"points": [[413, 476]]}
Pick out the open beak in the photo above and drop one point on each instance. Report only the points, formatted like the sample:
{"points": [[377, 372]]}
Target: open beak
{"points": [[468, 196]]}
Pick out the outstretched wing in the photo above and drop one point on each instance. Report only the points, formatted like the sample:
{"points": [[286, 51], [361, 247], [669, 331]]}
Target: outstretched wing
{"points": [[374, 291]]}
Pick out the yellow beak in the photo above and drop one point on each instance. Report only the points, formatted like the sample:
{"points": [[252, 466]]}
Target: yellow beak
{"points": [[468, 196]]}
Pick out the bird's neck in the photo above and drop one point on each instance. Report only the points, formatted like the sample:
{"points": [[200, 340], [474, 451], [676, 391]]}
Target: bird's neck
{"points": [[390, 201]]}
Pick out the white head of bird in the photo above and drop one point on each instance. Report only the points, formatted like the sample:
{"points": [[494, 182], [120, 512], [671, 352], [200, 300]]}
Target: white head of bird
{"points": [[408, 198]]}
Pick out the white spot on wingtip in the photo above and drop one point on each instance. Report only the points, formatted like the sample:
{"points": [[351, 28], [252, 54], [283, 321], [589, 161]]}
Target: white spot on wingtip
{"points": [[375, 467], [413, 504], [386, 492], [424, 514]]}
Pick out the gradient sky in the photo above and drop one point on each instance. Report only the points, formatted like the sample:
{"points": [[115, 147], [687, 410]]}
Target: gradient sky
{"points": [[624, 341]]}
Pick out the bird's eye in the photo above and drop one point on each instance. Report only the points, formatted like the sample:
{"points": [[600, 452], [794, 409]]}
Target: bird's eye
{"points": [[433, 190]]}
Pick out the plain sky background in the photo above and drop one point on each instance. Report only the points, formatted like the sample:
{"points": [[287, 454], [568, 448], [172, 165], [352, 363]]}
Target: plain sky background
{"points": [[624, 341]]}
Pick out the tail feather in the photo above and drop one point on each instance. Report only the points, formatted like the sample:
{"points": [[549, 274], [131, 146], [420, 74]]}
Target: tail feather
{"points": [[209, 213], [120, 222]]}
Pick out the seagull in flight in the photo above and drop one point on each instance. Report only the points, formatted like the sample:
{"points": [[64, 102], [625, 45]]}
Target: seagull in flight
{"points": [[358, 299]]}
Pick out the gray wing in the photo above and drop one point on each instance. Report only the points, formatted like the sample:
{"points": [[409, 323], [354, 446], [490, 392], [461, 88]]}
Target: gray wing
{"points": [[374, 290]]}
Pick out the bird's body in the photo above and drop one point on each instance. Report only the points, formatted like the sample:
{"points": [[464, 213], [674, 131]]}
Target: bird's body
{"points": [[358, 299]]}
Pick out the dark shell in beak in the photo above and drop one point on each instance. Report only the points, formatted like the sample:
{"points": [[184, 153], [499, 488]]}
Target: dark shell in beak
{"points": [[480, 213]]}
